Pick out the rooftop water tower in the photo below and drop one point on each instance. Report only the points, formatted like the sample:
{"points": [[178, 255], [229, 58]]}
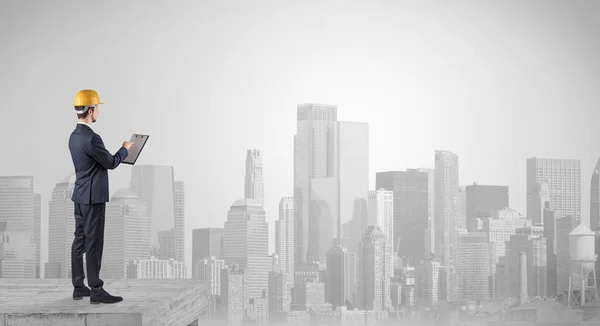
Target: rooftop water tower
{"points": [[582, 266]]}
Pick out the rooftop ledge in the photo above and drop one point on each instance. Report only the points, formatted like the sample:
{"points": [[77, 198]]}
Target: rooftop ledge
{"points": [[35, 302]]}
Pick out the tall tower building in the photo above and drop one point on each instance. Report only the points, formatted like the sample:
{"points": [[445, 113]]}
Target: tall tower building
{"points": [[597, 247], [381, 214], [235, 291], [246, 243], [473, 266], [166, 245], [154, 185], [21, 206], [330, 172], [461, 208], [483, 199], [550, 233], [284, 235], [280, 296], [413, 210], [127, 234], [374, 292], [523, 288], [37, 232], [563, 180], [353, 230], [595, 198], [428, 273], [338, 288], [206, 242], [17, 251], [353, 163], [254, 186], [533, 244], [209, 270], [446, 199], [179, 207], [61, 229], [499, 228], [313, 159], [314, 294]]}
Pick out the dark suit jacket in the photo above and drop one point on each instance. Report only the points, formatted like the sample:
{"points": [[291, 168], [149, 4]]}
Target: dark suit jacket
{"points": [[92, 162]]}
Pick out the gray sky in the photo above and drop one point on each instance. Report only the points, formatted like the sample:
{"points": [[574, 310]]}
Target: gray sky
{"points": [[495, 82]]}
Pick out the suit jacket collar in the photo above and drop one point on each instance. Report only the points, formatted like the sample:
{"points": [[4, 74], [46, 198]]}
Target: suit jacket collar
{"points": [[84, 125]]}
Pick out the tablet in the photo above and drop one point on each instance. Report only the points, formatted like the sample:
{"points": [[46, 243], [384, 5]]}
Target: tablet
{"points": [[138, 144]]}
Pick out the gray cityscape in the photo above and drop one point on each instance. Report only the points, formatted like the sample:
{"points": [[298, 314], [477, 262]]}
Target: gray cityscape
{"points": [[406, 163]]}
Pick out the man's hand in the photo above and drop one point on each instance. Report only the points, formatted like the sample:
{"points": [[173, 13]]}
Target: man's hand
{"points": [[127, 145]]}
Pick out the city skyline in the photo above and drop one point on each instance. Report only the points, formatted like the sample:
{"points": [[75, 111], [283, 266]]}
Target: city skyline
{"points": [[495, 95], [313, 162], [272, 224]]}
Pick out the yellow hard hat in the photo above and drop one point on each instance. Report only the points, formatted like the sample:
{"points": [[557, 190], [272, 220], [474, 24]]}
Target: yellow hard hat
{"points": [[87, 97]]}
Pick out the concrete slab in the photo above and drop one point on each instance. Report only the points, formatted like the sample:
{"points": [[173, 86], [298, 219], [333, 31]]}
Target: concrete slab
{"points": [[145, 302]]}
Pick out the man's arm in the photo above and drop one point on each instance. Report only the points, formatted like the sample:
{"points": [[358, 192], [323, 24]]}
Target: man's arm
{"points": [[104, 157]]}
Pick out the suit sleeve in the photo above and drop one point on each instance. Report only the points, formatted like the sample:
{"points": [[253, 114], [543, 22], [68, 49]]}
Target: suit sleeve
{"points": [[104, 157]]}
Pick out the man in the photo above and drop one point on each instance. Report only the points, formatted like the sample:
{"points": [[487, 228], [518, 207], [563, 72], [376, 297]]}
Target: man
{"points": [[90, 194]]}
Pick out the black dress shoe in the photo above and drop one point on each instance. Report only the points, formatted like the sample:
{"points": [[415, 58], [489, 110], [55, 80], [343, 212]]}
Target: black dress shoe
{"points": [[79, 293], [101, 296]]}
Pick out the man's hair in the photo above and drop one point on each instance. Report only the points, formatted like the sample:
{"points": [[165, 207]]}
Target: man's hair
{"points": [[85, 114]]}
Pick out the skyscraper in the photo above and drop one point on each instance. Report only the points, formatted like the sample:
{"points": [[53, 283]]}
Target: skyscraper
{"points": [[461, 208], [17, 251], [353, 163], [209, 271], [498, 229], [179, 207], [280, 296], [254, 186], [246, 243], [381, 214], [166, 245], [353, 230], [446, 199], [563, 181], [330, 172], [61, 229], [482, 199], [314, 293], [260, 309], [302, 274], [338, 289], [37, 231], [374, 291], [127, 234], [564, 226], [551, 233], [206, 242], [155, 186], [21, 206], [284, 235], [428, 272], [412, 209], [595, 199], [235, 292], [313, 159], [473, 272], [527, 240]]}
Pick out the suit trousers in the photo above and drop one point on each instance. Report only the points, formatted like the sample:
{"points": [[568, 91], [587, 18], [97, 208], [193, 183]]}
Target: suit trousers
{"points": [[89, 239]]}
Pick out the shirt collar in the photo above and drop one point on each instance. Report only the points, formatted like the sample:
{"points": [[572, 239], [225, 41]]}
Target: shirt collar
{"points": [[87, 124]]}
